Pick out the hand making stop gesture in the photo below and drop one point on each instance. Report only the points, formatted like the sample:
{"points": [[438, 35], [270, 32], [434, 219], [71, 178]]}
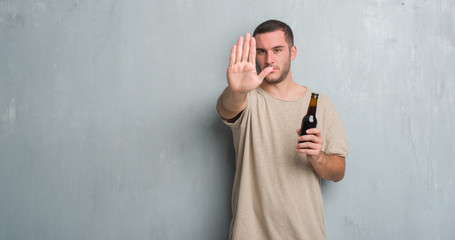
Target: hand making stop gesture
{"points": [[241, 74]]}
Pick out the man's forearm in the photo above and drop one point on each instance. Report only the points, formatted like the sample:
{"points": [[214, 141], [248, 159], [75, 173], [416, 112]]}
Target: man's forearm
{"points": [[231, 103], [330, 167]]}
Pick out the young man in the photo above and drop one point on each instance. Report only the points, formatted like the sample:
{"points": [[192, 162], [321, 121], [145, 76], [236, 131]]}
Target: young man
{"points": [[276, 193]]}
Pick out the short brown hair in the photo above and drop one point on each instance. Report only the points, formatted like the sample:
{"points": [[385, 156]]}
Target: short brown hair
{"points": [[274, 25]]}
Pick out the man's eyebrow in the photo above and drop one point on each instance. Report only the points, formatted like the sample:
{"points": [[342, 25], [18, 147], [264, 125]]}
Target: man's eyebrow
{"points": [[272, 48]]}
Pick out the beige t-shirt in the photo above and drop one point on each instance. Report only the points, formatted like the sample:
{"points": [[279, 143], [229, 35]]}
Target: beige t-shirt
{"points": [[276, 192]]}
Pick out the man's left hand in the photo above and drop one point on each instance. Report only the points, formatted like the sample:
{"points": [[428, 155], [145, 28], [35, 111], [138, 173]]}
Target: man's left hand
{"points": [[312, 145]]}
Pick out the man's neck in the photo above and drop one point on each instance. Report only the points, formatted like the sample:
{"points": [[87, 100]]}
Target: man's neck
{"points": [[287, 90]]}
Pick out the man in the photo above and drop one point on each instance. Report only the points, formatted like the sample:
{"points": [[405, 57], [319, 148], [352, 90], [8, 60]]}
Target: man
{"points": [[276, 192]]}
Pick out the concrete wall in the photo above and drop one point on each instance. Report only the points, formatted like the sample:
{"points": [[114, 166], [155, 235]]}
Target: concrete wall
{"points": [[108, 128]]}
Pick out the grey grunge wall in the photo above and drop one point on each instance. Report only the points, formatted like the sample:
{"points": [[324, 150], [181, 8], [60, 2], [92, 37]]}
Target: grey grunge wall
{"points": [[108, 128]]}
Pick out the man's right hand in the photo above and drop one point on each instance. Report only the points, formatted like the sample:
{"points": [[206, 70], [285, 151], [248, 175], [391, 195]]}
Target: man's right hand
{"points": [[242, 78], [241, 73]]}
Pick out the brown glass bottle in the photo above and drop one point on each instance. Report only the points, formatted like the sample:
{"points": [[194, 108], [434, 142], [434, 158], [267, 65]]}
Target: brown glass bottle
{"points": [[309, 120]]}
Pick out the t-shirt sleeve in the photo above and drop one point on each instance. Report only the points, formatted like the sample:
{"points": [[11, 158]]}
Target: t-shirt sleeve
{"points": [[235, 122], [336, 142]]}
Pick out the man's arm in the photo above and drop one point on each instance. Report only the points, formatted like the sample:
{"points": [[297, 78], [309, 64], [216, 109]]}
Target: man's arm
{"points": [[242, 78], [329, 167], [230, 104]]}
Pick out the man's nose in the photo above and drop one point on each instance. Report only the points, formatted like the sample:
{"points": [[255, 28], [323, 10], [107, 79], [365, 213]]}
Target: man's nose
{"points": [[269, 60]]}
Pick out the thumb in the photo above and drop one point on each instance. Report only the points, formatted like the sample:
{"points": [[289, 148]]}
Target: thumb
{"points": [[265, 72]]}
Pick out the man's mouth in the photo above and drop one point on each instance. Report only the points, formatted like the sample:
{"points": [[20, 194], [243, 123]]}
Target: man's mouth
{"points": [[275, 68]]}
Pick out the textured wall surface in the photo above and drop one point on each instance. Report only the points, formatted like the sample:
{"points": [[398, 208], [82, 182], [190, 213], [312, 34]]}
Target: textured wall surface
{"points": [[108, 128]]}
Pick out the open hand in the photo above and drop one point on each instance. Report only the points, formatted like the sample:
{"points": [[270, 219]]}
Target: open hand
{"points": [[241, 73]]}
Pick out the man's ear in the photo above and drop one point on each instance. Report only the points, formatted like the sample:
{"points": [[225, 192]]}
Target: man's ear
{"points": [[293, 52]]}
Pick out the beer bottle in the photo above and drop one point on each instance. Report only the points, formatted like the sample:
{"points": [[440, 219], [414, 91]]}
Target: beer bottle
{"points": [[309, 120]]}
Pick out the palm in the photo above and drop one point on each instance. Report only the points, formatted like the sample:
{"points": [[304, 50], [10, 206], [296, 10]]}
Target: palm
{"points": [[241, 73], [243, 78]]}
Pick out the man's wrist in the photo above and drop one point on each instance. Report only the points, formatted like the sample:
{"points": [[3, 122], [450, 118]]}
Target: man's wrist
{"points": [[320, 159]]}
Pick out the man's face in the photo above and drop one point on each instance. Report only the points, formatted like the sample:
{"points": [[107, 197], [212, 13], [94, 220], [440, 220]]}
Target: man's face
{"points": [[273, 50]]}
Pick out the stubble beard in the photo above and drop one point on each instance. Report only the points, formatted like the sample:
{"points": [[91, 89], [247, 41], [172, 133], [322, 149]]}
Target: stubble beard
{"points": [[283, 75]]}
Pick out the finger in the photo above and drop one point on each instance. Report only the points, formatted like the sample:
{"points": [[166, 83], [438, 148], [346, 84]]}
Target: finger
{"points": [[311, 138], [310, 152], [265, 72], [252, 57], [246, 48], [314, 131], [232, 59], [305, 151], [313, 146], [308, 144], [314, 135], [303, 138], [238, 56], [306, 137], [308, 148], [298, 131], [302, 145]]}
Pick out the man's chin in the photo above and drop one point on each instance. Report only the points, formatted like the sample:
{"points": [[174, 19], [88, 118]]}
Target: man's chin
{"points": [[271, 80]]}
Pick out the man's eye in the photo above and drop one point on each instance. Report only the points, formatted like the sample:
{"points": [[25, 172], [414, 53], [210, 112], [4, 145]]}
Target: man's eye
{"points": [[260, 51], [277, 50]]}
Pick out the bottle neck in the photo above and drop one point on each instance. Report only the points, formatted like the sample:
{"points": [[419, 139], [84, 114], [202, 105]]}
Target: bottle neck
{"points": [[313, 105]]}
